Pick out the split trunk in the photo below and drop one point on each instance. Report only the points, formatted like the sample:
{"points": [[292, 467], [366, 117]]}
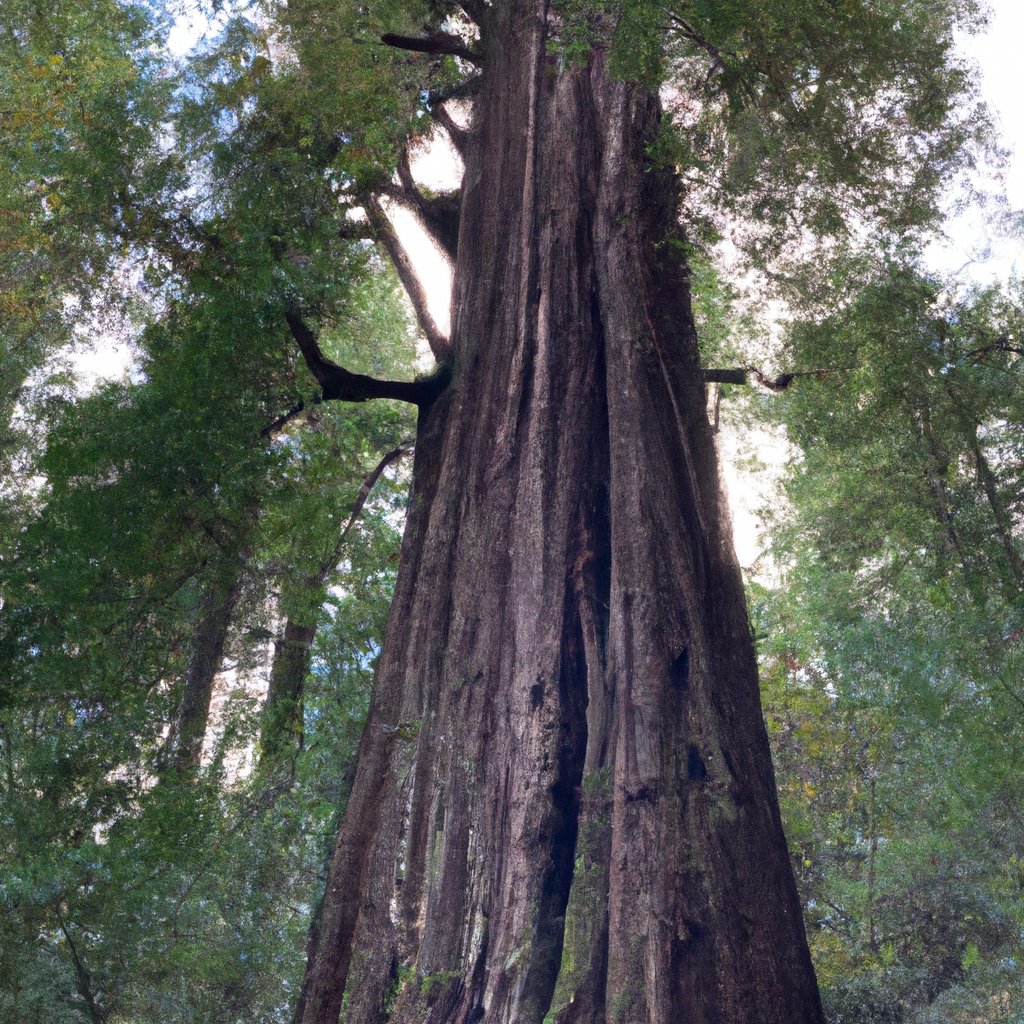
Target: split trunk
{"points": [[564, 806]]}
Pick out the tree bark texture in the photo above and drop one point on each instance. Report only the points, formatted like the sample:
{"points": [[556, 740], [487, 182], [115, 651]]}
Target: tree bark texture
{"points": [[564, 806]]}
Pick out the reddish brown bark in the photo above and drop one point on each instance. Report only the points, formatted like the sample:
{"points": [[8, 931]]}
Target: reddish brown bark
{"points": [[565, 724]]}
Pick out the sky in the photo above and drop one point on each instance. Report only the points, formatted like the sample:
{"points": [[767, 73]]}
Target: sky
{"points": [[997, 52]]}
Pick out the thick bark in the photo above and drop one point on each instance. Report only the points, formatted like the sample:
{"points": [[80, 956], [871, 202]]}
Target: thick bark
{"points": [[565, 736]]}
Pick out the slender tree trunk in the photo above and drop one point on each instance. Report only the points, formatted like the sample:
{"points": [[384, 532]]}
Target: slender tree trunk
{"points": [[936, 467], [281, 728], [281, 731], [209, 637], [565, 736], [204, 664], [1000, 517]]}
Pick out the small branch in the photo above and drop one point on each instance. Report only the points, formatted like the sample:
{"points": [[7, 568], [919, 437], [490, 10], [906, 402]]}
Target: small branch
{"points": [[388, 237], [356, 231], [405, 173], [975, 355], [339, 384], [460, 91], [357, 506], [475, 10], [278, 423], [439, 215], [437, 43], [83, 976], [688, 31]]}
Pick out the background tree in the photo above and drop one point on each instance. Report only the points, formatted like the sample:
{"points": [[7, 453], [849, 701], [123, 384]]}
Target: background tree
{"points": [[893, 643], [145, 530]]}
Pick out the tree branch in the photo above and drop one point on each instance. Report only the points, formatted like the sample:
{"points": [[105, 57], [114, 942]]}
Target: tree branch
{"points": [[743, 374], [280, 422], [339, 384], [440, 43], [388, 237], [357, 506], [458, 136], [439, 215], [83, 976], [475, 10], [684, 28], [356, 231], [459, 91], [1002, 344], [734, 376]]}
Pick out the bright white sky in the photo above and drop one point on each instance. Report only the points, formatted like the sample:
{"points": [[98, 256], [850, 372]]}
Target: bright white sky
{"points": [[998, 55]]}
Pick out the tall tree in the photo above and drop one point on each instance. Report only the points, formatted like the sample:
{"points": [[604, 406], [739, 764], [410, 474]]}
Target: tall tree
{"points": [[893, 641], [141, 537], [564, 805]]}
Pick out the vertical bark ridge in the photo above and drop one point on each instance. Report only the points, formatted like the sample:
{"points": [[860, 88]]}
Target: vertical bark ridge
{"points": [[349, 899], [697, 840]]}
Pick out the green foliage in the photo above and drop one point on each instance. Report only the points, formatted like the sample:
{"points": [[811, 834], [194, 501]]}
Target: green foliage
{"points": [[892, 647], [797, 121], [131, 892]]}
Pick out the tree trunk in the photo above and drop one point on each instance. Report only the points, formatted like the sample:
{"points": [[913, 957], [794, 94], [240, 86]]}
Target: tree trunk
{"points": [[1000, 516], [565, 736], [223, 583], [209, 637], [281, 727]]}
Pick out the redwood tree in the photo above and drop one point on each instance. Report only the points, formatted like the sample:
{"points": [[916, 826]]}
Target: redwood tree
{"points": [[564, 806]]}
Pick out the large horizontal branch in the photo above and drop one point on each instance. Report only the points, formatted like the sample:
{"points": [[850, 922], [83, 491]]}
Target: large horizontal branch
{"points": [[439, 43], [744, 374], [339, 384]]}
